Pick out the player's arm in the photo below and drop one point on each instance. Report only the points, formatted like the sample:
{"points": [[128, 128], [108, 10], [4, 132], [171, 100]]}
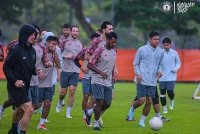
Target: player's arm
{"points": [[177, 63], [34, 72], [81, 57], [56, 58], [9, 63], [93, 60], [93, 68], [136, 64], [115, 73], [94, 45], [45, 60], [160, 66]]}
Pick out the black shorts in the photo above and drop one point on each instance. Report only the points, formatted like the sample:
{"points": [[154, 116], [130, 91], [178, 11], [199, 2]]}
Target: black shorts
{"points": [[19, 96]]}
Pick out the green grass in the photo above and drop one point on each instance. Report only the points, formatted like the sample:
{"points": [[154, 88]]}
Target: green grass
{"points": [[184, 118]]}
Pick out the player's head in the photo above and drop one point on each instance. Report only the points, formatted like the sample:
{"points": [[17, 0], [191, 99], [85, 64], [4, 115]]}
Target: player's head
{"points": [[51, 40], [37, 32], [94, 36], [154, 38], [27, 35], [166, 44], [111, 39], [66, 30], [74, 32], [42, 33], [106, 27], [46, 35]]}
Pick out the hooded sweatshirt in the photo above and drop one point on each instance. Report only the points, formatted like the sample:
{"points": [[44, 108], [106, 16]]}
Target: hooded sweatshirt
{"points": [[20, 62]]}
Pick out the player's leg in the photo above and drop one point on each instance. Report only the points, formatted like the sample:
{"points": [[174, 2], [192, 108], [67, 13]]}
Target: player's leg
{"points": [[107, 103], [141, 94], [34, 93], [9, 102], [163, 86], [85, 90], [23, 111], [28, 110], [150, 92], [47, 97], [170, 92], [64, 83], [98, 93], [145, 112], [73, 82], [156, 107], [130, 116]]}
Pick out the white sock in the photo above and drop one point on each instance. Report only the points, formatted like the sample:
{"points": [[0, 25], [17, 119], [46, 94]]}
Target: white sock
{"points": [[69, 110], [90, 111], [42, 121], [96, 123], [158, 115], [143, 118], [60, 102], [165, 107]]}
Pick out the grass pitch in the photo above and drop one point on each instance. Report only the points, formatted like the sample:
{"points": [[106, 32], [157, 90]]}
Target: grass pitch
{"points": [[184, 118]]}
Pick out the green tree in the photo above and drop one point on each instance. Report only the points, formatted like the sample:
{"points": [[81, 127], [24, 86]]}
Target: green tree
{"points": [[11, 10], [77, 5], [147, 16]]}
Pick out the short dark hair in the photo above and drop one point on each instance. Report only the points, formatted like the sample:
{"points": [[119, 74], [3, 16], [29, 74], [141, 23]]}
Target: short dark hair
{"points": [[36, 27], [166, 40], [74, 26], [52, 38], [94, 35], [111, 35], [66, 25], [104, 24], [152, 34]]}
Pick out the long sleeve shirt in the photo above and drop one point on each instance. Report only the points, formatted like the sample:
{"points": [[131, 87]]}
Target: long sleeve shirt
{"points": [[147, 63], [20, 65], [171, 63]]}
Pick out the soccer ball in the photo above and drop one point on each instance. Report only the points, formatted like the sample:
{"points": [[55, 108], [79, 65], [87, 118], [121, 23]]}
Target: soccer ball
{"points": [[155, 123]]}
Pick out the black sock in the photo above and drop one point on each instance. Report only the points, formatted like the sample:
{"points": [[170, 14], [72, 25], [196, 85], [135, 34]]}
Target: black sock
{"points": [[22, 132], [14, 127]]}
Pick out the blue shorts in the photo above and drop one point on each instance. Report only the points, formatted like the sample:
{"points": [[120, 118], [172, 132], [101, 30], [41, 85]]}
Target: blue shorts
{"points": [[45, 94], [144, 90], [102, 92], [34, 94], [68, 79], [169, 85], [86, 86]]}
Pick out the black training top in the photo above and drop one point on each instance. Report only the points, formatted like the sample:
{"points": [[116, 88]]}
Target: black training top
{"points": [[20, 62]]}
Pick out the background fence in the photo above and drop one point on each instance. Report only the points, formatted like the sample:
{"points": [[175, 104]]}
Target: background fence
{"points": [[189, 71]]}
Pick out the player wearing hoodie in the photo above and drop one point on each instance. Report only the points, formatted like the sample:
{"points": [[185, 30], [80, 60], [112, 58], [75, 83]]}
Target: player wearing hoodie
{"points": [[18, 67]]}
